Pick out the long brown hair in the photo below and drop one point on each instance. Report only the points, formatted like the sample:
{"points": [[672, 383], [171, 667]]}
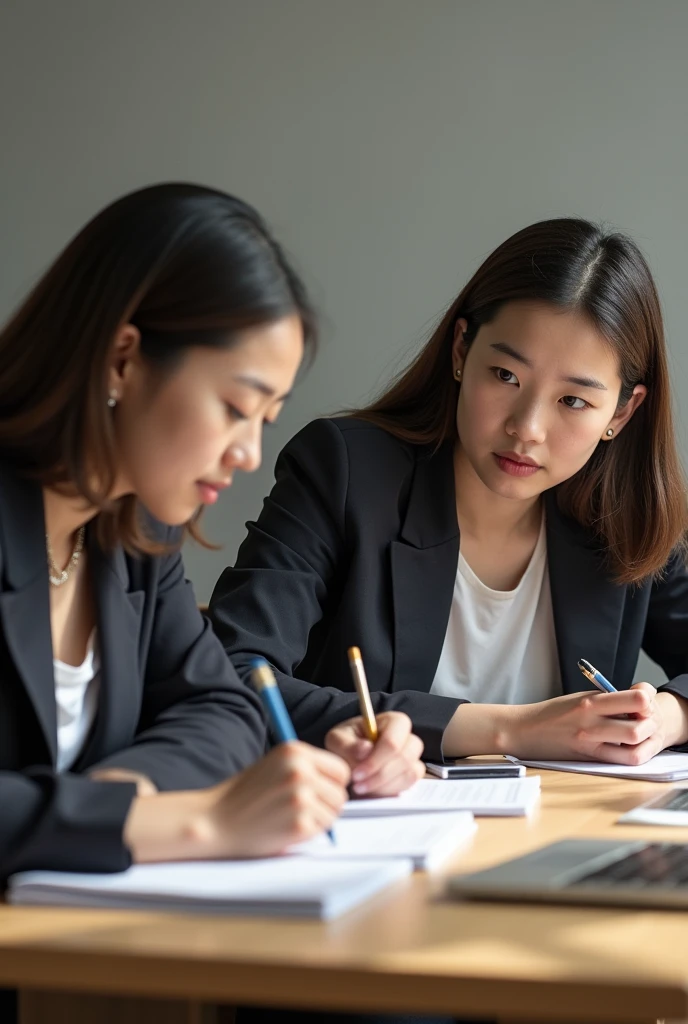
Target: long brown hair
{"points": [[187, 266], [631, 493]]}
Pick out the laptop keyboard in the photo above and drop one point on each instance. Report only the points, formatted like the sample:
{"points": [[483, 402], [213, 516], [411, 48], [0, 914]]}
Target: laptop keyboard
{"points": [[664, 864], [678, 801]]}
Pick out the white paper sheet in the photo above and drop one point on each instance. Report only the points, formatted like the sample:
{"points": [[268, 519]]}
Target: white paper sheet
{"points": [[665, 767], [488, 797], [428, 839]]}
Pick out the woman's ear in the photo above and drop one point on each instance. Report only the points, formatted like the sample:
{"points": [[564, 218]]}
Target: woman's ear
{"points": [[623, 415], [124, 357], [459, 348]]}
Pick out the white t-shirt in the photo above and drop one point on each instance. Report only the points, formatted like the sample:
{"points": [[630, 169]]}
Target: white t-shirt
{"points": [[76, 695], [500, 646]]}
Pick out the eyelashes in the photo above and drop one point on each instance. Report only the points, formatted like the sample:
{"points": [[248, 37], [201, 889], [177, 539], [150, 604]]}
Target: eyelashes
{"points": [[505, 376], [238, 416], [234, 413], [499, 370], [583, 405]]}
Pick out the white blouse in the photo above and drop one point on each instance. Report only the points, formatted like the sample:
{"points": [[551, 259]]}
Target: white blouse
{"points": [[500, 646], [76, 694]]}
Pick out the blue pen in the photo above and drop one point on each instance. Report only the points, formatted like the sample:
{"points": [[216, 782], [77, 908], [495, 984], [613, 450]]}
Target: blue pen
{"points": [[595, 677], [263, 678]]}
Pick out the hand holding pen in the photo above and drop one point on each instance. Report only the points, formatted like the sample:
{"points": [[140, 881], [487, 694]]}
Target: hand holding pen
{"points": [[602, 683], [645, 741], [621, 727], [386, 765], [314, 782]]}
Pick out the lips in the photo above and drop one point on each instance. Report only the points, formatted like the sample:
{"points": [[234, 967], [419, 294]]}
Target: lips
{"points": [[218, 485], [514, 464], [209, 492], [522, 460]]}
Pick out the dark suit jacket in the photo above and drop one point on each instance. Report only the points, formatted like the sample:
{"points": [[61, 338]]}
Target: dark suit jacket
{"points": [[358, 543], [170, 703]]}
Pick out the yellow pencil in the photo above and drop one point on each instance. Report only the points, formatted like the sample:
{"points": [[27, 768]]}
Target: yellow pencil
{"points": [[361, 684]]}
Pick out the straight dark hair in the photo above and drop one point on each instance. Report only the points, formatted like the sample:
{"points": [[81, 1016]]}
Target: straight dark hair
{"points": [[187, 266], [631, 493]]}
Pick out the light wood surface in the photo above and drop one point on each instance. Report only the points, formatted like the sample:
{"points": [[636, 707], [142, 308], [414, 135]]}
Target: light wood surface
{"points": [[409, 950]]}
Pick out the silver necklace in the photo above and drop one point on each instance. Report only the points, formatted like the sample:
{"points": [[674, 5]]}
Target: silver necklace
{"points": [[57, 576]]}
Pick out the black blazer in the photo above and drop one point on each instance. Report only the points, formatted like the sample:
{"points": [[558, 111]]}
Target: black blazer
{"points": [[170, 704], [358, 543]]}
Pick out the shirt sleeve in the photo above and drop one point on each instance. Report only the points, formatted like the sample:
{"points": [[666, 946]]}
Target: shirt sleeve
{"points": [[62, 822]]}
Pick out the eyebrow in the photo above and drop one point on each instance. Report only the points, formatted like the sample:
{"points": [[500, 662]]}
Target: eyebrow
{"points": [[259, 385], [583, 382]]}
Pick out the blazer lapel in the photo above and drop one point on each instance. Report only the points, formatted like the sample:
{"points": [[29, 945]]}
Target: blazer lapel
{"points": [[423, 566], [25, 600], [26, 627], [119, 613], [587, 605]]}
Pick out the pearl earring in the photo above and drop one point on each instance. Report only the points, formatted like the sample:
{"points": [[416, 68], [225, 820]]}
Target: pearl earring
{"points": [[610, 432], [112, 399], [457, 374]]}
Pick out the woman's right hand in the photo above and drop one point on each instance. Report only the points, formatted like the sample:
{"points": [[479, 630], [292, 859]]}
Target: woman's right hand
{"points": [[293, 793], [586, 726], [576, 726]]}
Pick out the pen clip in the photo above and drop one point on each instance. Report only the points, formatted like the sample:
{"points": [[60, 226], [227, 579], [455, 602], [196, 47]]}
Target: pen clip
{"points": [[587, 670]]}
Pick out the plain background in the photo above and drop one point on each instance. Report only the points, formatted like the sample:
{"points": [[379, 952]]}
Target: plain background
{"points": [[392, 144]]}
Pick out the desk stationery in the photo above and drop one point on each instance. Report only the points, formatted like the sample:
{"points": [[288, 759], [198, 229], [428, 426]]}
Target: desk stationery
{"points": [[408, 951]]}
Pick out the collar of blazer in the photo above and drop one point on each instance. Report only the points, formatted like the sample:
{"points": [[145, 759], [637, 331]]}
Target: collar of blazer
{"points": [[587, 605], [25, 615], [430, 517]]}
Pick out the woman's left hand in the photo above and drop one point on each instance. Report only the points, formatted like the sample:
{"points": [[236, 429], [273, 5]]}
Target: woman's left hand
{"points": [[386, 767]]}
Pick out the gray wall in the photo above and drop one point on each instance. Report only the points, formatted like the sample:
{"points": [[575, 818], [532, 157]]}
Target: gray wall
{"points": [[391, 143]]}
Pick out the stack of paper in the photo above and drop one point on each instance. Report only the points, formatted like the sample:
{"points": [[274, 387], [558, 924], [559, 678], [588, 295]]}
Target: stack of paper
{"points": [[315, 879], [665, 767], [377, 842], [291, 886], [487, 797], [428, 839]]}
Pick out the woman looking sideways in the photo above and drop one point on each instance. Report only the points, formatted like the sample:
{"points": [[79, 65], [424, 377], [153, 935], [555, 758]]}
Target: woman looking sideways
{"points": [[511, 503]]}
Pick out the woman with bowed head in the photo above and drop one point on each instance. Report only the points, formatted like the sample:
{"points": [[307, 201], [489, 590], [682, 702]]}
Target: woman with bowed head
{"points": [[134, 382]]}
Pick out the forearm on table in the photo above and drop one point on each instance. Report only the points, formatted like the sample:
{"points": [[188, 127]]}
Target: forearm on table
{"points": [[478, 729]]}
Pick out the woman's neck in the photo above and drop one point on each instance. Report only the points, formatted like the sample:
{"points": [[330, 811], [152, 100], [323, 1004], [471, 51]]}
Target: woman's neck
{"points": [[484, 515], [64, 514]]}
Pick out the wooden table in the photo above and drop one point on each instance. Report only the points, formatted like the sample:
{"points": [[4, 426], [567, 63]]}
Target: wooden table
{"points": [[407, 951]]}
